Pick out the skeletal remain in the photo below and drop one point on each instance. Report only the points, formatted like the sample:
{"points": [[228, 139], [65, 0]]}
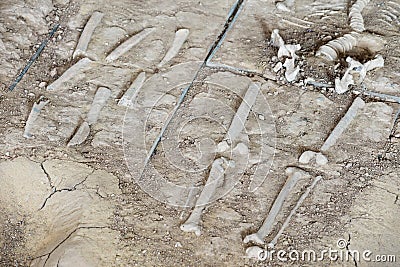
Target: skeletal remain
{"points": [[347, 42], [33, 115], [180, 38], [99, 101], [341, 45], [277, 67], [294, 176], [87, 33], [293, 211], [81, 135], [128, 44], [311, 81], [291, 71], [277, 40], [343, 124], [308, 156], [240, 117], [288, 51], [377, 62], [78, 67], [356, 68], [215, 180], [355, 16], [131, 94], [342, 85]]}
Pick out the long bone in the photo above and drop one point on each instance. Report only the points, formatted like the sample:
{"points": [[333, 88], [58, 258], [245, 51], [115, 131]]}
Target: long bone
{"points": [[343, 124], [293, 211], [294, 175], [215, 180], [99, 101], [237, 124], [255, 251]]}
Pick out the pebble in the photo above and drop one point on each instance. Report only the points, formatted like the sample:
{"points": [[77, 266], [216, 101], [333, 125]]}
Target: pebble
{"points": [[278, 67], [53, 72], [42, 85]]}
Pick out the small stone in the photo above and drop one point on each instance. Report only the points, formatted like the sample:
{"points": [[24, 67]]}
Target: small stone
{"points": [[42, 85], [261, 117], [53, 72], [178, 245]]}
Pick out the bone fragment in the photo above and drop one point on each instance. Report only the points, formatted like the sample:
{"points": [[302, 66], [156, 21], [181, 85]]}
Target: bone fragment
{"points": [[180, 38], [81, 135], [99, 101], [128, 44], [308, 156], [254, 252], [34, 114], [356, 69], [78, 67], [87, 33], [130, 95]]}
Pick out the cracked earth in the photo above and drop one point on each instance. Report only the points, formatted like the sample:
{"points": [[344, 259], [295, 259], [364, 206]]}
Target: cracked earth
{"points": [[197, 133]]}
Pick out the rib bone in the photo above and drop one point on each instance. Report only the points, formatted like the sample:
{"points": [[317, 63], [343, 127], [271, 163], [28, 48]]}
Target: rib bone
{"points": [[98, 103]]}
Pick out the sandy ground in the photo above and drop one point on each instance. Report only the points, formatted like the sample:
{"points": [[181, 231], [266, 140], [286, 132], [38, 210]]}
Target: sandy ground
{"points": [[79, 186]]}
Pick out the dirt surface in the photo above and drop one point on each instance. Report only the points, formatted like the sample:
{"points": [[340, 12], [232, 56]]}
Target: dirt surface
{"points": [[107, 200]]}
